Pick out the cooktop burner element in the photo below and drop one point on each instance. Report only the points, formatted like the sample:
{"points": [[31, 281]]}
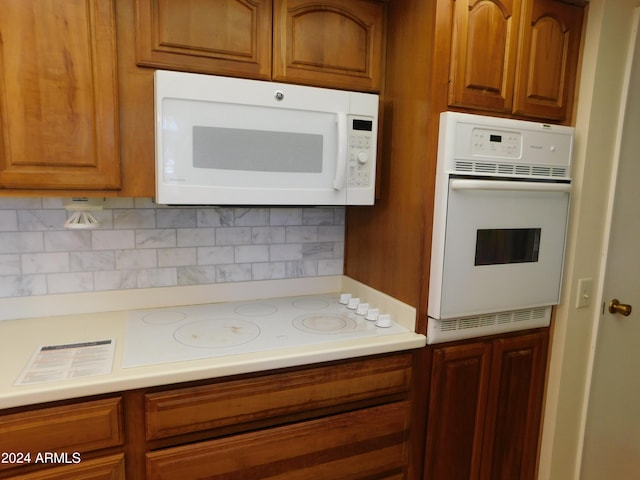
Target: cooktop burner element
{"points": [[206, 331]]}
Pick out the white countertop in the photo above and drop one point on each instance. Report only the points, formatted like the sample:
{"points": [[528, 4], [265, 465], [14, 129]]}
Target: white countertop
{"points": [[73, 319]]}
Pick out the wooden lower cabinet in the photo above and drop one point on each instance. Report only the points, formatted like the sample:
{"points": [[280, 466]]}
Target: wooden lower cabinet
{"points": [[106, 468], [363, 444], [484, 412]]}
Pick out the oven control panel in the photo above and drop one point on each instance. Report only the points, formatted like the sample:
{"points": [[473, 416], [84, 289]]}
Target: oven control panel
{"points": [[361, 150], [489, 142]]}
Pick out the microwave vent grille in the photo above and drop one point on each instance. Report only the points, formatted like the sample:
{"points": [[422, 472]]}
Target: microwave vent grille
{"points": [[522, 170], [489, 324]]}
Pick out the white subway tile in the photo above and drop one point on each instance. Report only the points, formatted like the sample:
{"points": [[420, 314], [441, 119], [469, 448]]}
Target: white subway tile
{"points": [[233, 236], [195, 237], [176, 257], [8, 221], [285, 216], [237, 272], [196, 275], [67, 241], [69, 282], [268, 271], [136, 259], [251, 217], [156, 238], [176, 218], [41, 220], [115, 280], [286, 251], [330, 267], [298, 234], [45, 262], [215, 255], [251, 253], [112, 239], [23, 285], [92, 261], [215, 217], [157, 277], [134, 218], [21, 242], [10, 264]]}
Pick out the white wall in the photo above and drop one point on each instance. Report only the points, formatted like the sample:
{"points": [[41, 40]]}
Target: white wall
{"points": [[607, 38]]}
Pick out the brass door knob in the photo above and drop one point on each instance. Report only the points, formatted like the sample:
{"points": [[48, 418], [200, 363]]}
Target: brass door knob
{"points": [[616, 307]]}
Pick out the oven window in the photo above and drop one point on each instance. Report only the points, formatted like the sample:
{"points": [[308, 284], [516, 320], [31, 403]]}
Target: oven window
{"points": [[498, 246]]}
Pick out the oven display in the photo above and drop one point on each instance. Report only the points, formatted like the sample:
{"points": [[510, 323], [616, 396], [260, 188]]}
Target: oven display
{"points": [[507, 245]]}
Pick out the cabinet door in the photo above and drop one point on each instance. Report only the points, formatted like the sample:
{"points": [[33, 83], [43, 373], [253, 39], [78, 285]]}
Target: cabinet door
{"points": [[548, 64], [514, 407], [363, 444], [329, 43], [483, 54], [58, 95], [226, 37], [106, 468], [456, 415]]}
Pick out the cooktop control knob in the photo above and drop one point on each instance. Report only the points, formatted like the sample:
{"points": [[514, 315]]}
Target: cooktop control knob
{"points": [[372, 314], [362, 309], [353, 303], [344, 298], [384, 321]]}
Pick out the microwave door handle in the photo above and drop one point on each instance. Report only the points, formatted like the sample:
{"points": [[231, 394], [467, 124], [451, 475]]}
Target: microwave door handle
{"points": [[341, 162], [516, 186]]}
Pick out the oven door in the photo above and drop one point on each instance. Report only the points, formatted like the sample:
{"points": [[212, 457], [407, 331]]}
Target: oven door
{"points": [[503, 247]]}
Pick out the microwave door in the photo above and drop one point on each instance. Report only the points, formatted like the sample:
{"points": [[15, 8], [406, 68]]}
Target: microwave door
{"points": [[504, 246], [248, 154]]}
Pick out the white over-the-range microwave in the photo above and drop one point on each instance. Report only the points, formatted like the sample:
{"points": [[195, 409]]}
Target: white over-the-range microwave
{"points": [[231, 141]]}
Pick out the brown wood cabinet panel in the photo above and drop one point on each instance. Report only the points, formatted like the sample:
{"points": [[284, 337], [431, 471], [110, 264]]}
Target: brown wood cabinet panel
{"points": [[484, 51], [514, 407], [367, 443], [58, 95], [548, 64], [227, 37], [329, 43], [81, 427], [107, 468], [457, 409], [240, 401]]}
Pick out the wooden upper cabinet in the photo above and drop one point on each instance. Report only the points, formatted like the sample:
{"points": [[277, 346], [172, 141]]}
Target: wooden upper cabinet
{"points": [[515, 57], [329, 43], [546, 75], [483, 53], [227, 37], [58, 95]]}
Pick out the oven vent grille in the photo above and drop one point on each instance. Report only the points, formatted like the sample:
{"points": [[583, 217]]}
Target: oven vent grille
{"points": [[489, 324], [466, 166]]}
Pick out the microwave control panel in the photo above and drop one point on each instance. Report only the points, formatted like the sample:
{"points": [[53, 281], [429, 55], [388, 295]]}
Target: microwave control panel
{"points": [[361, 151]]}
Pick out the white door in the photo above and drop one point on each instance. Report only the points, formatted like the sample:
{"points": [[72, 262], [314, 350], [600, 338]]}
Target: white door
{"points": [[612, 434]]}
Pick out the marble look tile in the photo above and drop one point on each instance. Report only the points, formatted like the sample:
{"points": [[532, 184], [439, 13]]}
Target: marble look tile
{"points": [[92, 261], [112, 239], [250, 217], [134, 218], [67, 241], [268, 271], [299, 234], [136, 259], [301, 268], [41, 220], [233, 236], [251, 253], [156, 277], [45, 262], [176, 257], [176, 218], [115, 280], [215, 255], [69, 282], [285, 216], [287, 251], [195, 237], [267, 235], [331, 233], [156, 238], [330, 267], [22, 285], [237, 272], [215, 217], [20, 203], [8, 221], [311, 251], [196, 275], [318, 216], [21, 242], [118, 203], [10, 264]]}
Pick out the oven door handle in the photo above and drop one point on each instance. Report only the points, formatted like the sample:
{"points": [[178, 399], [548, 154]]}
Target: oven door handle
{"points": [[516, 186]]}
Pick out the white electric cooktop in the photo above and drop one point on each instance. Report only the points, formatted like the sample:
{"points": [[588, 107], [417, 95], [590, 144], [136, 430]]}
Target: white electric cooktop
{"points": [[195, 332]]}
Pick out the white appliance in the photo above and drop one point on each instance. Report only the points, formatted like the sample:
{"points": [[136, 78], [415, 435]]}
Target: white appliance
{"points": [[193, 332], [500, 220], [231, 141]]}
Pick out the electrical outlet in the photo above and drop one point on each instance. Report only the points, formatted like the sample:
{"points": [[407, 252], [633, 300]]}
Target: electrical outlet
{"points": [[584, 293]]}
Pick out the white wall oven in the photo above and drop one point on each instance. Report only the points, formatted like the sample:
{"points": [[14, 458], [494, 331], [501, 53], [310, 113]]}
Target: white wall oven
{"points": [[500, 220]]}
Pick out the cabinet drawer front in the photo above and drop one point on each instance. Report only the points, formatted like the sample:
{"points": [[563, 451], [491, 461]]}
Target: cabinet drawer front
{"points": [[212, 406], [367, 443], [81, 427], [107, 468]]}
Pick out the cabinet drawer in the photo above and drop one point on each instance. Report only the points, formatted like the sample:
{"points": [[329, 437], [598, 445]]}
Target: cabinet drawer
{"points": [[107, 468], [363, 444], [80, 427], [212, 406]]}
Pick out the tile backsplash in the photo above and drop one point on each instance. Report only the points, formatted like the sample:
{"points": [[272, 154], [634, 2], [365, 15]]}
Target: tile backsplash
{"points": [[142, 245]]}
